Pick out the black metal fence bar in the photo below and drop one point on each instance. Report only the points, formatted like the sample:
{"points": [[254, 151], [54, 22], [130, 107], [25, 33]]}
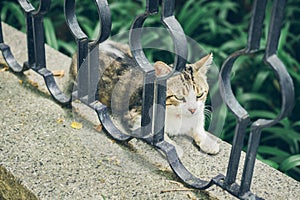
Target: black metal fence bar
{"points": [[154, 88], [243, 118], [82, 48], [36, 49], [286, 86], [88, 50]]}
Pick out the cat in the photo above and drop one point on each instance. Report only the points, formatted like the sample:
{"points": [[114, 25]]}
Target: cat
{"points": [[120, 88]]}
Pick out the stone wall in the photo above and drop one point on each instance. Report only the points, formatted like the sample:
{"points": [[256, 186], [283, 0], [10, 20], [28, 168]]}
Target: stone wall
{"points": [[42, 156]]}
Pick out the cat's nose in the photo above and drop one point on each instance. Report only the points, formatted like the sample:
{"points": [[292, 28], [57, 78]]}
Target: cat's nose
{"points": [[192, 110]]}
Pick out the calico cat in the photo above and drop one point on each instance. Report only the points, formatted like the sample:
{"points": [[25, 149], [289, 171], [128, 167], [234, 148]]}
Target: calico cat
{"points": [[120, 88]]}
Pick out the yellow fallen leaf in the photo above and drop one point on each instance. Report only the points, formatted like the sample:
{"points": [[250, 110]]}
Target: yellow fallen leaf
{"points": [[59, 73], [20, 81], [98, 127], [33, 83], [5, 68], [191, 196], [76, 125], [60, 120]]}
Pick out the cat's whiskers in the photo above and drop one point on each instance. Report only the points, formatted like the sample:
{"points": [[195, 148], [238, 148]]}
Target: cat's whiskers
{"points": [[208, 107], [207, 112]]}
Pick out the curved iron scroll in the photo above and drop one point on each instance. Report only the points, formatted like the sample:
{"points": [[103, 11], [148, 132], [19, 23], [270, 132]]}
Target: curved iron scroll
{"points": [[154, 91], [154, 88], [242, 116], [5, 49], [86, 49], [88, 63], [36, 49]]}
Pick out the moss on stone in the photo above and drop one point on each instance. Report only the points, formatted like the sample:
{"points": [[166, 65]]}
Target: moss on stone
{"points": [[12, 188]]}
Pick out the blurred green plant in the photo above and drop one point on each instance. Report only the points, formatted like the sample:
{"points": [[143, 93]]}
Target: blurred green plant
{"points": [[218, 26]]}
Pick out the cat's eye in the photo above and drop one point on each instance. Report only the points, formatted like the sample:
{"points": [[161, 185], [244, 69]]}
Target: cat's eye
{"points": [[179, 98], [200, 95]]}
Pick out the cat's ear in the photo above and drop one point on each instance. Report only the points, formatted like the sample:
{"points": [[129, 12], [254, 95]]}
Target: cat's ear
{"points": [[204, 63], [161, 68]]}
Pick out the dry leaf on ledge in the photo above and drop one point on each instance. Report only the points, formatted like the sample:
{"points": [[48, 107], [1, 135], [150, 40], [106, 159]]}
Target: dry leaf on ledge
{"points": [[98, 127], [60, 120], [33, 83], [58, 73], [76, 125], [5, 68]]}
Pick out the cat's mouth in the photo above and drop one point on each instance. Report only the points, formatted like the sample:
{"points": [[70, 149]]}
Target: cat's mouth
{"points": [[190, 113], [182, 112]]}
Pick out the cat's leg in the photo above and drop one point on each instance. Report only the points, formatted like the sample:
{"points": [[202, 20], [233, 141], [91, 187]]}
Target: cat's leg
{"points": [[205, 141], [178, 148], [132, 119]]}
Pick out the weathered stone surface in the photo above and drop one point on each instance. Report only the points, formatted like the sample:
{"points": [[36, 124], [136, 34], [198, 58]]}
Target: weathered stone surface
{"points": [[48, 159]]}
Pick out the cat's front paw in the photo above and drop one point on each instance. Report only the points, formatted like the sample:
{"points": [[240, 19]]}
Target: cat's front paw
{"points": [[132, 119], [208, 145]]}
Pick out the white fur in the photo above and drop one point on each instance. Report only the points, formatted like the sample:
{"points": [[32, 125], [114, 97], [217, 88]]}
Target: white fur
{"points": [[180, 121]]}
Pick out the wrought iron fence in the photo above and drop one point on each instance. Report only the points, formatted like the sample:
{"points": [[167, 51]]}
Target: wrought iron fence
{"points": [[154, 88]]}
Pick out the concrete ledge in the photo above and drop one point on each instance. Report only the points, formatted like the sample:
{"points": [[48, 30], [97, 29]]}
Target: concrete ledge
{"points": [[42, 157]]}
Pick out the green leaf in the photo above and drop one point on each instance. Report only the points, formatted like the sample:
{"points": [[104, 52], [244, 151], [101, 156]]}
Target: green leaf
{"points": [[50, 33], [246, 97], [194, 21], [284, 132], [182, 16], [290, 162], [271, 163], [273, 151], [68, 47], [262, 114], [231, 44], [259, 80], [295, 124], [284, 35], [11, 11]]}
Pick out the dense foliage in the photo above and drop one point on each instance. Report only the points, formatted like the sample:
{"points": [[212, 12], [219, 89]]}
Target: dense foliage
{"points": [[221, 27]]}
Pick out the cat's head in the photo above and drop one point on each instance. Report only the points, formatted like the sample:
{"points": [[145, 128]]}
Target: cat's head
{"points": [[187, 92]]}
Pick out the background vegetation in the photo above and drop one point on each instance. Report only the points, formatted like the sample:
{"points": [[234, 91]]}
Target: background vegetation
{"points": [[219, 26]]}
